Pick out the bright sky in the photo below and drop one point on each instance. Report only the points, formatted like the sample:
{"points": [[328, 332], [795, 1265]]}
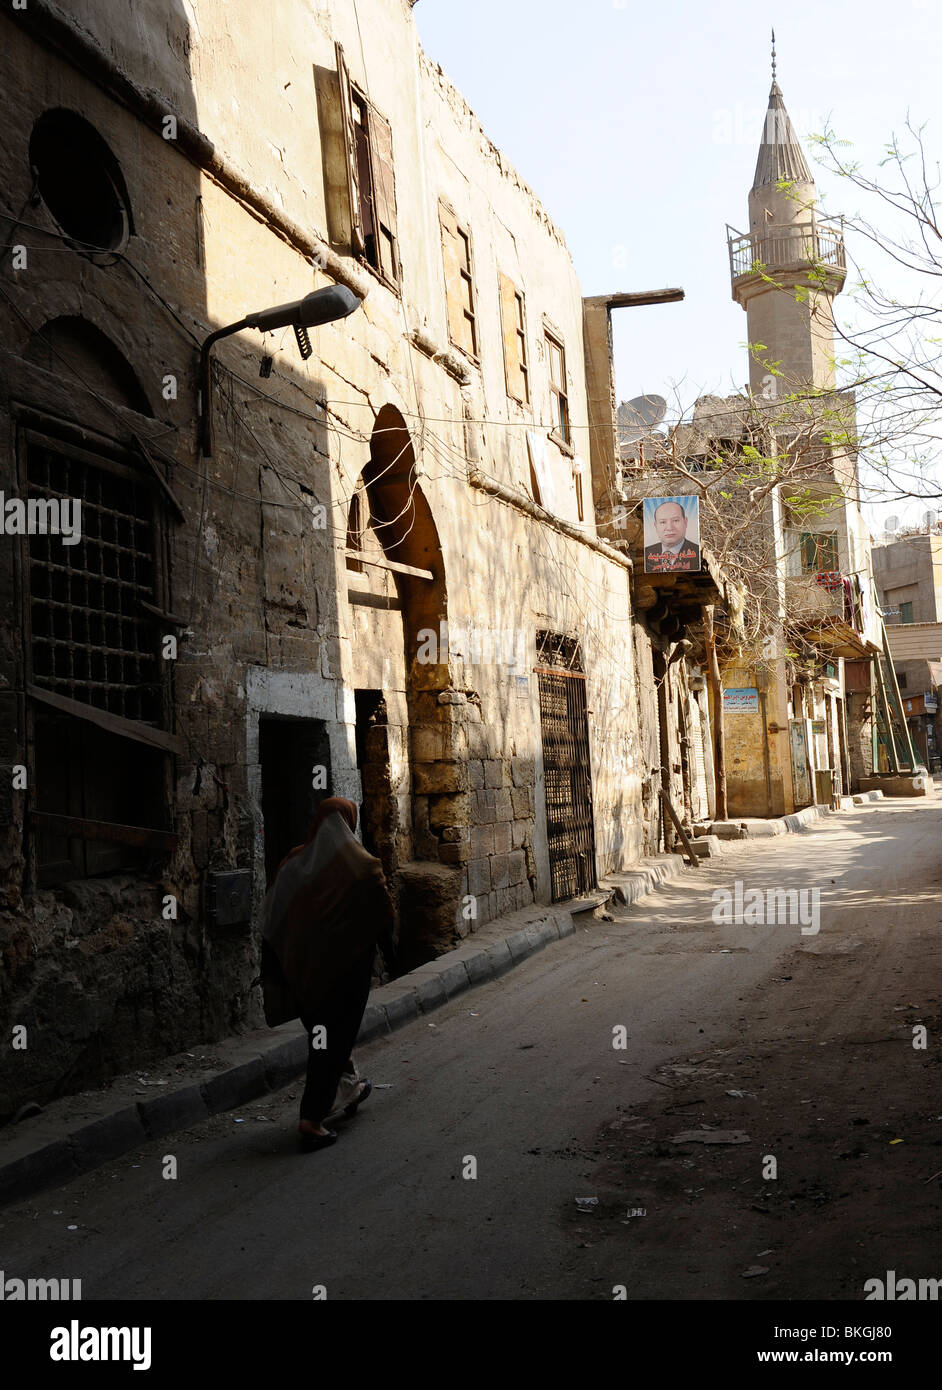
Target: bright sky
{"points": [[638, 125]]}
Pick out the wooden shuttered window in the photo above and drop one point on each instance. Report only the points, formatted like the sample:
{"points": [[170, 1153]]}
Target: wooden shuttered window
{"points": [[459, 282], [513, 326], [384, 196], [353, 177], [818, 552], [371, 182]]}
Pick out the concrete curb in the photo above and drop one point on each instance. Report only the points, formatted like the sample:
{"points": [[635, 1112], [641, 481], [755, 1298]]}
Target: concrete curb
{"points": [[39, 1155], [794, 824]]}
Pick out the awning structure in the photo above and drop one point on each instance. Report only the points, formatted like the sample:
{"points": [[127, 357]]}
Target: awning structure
{"points": [[685, 592], [835, 635]]}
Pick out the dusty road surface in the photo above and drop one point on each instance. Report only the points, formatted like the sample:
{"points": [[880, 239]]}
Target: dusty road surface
{"points": [[792, 1054]]}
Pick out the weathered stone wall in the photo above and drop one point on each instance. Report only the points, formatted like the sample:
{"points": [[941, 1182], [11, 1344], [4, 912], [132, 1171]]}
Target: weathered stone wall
{"points": [[256, 573]]}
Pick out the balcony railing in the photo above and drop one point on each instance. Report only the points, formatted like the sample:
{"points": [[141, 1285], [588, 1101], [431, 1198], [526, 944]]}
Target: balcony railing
{"points": [[781, 248]]}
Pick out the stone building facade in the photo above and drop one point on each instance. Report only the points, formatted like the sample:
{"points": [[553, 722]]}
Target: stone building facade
{"points": [[382, 577]]}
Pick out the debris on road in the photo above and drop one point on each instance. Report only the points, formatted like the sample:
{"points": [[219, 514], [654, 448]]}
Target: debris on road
{"points": [[711, 1136]]}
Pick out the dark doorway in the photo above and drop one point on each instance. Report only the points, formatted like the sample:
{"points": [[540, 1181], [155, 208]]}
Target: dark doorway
{"points": [[378, 811], [567, 772], [295, 759]]}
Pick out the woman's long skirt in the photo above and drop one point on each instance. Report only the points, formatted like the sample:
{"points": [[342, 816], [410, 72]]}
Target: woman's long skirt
{"points": [[339, 1014]]}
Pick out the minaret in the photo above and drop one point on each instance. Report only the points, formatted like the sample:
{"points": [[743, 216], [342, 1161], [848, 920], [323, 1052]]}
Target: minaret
{"points": [[802, 257]]}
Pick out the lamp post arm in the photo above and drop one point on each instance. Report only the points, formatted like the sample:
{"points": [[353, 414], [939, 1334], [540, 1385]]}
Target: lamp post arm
{"points": [[206, 384]]}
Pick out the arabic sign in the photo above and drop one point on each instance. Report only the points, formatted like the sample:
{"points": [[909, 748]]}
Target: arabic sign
{"points": [[671, 535], [742, 701]]}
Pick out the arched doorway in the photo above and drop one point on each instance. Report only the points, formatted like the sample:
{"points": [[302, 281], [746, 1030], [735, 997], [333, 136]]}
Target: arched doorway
{"points": [[415, 811]]}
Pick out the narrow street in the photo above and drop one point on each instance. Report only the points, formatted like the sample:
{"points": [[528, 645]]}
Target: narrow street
{"points": [[815, 1031]]}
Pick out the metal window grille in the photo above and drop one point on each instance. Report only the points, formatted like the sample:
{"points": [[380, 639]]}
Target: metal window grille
{"points": [[91, 639], [567, 773]]}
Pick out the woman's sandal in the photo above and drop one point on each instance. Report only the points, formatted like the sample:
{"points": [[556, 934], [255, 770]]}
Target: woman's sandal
{"points": [[351, 1109], [310, 1142]]}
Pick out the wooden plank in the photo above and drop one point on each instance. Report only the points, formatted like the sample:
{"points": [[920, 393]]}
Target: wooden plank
{"points": [[75, 826], [557, 671], [691, 857], [162, 483], [385, 564], [114, 723], [628, 299]]}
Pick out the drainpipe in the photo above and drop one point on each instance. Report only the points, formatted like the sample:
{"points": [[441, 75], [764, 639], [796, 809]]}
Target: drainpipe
{"points": [[716, 699], [763, 709], [660, 676]]}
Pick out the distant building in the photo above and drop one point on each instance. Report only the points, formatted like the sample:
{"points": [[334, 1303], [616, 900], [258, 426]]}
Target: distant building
{"points": [[908, 574]]}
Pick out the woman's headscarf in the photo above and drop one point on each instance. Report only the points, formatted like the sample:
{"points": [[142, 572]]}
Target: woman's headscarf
{"points": [[312, 917], [328, 807]]}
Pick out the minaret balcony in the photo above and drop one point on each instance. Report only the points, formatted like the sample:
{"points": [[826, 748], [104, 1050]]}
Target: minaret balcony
{"points": [[810, 253]]}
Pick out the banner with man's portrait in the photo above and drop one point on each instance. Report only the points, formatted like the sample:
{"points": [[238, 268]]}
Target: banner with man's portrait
{"points": [[672, 535]]}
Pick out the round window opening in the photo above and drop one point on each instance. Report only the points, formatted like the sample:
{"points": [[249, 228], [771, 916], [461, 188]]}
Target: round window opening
{"points": [[80, 182]]}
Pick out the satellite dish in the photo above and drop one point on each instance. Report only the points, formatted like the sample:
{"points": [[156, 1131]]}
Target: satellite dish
{"points": [[638, 417]]}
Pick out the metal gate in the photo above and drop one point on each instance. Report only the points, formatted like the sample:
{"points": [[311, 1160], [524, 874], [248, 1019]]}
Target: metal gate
{"points": [[567, 773]]}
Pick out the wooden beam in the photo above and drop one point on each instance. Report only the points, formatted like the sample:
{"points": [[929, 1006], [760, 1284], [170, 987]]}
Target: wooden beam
{"points": [[691, 857], [629, 299], [79, 828], [385, 564], [556, 671], [114, 723], [162, 483]]}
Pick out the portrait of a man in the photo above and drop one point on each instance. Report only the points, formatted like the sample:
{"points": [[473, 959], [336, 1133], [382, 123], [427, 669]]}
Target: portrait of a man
{"points": [[671, 535]]}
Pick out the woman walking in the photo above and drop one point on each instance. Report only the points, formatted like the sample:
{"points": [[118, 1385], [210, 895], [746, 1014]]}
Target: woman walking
{"points": [[324, 914]]}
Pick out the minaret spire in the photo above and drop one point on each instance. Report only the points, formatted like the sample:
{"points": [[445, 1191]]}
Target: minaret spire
{"points": [[780, 154], [787, 250]]}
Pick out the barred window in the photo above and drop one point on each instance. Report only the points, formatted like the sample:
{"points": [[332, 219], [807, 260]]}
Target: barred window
{"points": [[92, 639], [99, 799]]}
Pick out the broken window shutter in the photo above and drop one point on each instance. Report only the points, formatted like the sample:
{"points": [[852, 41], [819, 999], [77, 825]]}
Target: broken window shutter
{"points": [[540, 467], [451, 256], [384, 194], [349, 139], [508, 319]]}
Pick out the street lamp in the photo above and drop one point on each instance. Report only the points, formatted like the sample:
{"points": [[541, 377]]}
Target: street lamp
{"points": [[321, 306]]}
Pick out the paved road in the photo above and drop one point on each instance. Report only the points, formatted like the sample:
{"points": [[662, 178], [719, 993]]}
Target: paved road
{"points": [[521, 1077]]}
